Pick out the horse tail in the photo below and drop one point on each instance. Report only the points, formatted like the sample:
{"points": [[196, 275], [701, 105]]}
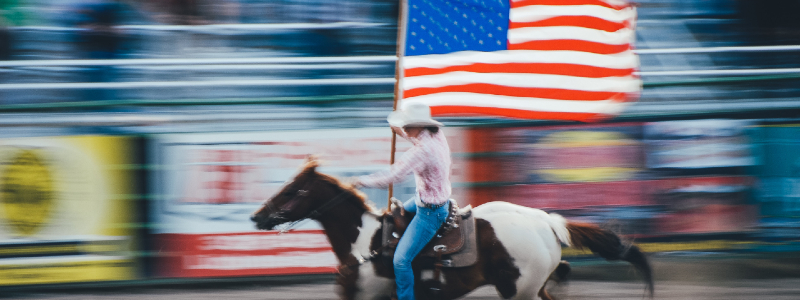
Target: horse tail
{"points": [[559, 226], [608, 245]]}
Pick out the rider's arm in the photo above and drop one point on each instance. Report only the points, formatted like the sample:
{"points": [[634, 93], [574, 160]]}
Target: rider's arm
{"points": [[412, 160]]}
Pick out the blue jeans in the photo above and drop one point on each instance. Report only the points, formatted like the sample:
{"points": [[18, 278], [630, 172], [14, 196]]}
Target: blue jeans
{"points": [[419, 232]]}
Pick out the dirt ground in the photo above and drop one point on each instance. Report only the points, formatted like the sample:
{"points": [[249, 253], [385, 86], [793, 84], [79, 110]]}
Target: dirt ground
{"points": [[774, 289], [774, 277]]}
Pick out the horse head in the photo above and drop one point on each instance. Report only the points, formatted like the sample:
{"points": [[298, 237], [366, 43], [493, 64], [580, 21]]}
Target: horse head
{"points": [[309, 195]]}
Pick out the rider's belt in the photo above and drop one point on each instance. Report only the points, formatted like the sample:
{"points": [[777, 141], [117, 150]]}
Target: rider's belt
{"points": [[433, 206]]}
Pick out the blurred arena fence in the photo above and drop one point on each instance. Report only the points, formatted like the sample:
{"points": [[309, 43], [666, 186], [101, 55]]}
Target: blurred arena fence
{"points": [[124, 207]]}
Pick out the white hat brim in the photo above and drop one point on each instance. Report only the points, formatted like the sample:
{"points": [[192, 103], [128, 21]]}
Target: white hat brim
{"points": [[398, 119], [395, 119]]}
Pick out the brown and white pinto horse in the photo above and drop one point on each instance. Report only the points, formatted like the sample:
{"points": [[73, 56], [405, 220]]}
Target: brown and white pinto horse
{"points": [[518, 247]]}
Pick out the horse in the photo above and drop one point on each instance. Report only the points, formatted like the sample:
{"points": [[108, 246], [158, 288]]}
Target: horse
{"points": [[519, 247]]}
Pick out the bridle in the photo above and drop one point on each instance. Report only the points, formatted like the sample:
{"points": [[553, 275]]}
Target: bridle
{"points": [[311, 215]]}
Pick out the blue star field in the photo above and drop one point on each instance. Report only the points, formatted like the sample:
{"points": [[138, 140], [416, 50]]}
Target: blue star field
{"points": [[444, 26]]}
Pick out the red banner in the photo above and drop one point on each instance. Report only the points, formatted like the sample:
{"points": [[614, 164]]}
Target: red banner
{"points": [[245, 254]]}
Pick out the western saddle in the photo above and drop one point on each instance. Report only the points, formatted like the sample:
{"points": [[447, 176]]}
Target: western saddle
{"points": [[455, 244]]}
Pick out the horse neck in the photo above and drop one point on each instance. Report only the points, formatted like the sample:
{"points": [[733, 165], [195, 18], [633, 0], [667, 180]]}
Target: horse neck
{"points": [[349, 228]]}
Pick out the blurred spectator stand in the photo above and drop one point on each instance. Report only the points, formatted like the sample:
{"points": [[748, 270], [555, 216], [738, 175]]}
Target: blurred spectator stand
{"points": [[9, 16], [770, 22], [5, 41], [99, 39]]}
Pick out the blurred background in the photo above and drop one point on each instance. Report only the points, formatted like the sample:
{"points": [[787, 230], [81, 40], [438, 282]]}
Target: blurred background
{"points": [[136, 136]]}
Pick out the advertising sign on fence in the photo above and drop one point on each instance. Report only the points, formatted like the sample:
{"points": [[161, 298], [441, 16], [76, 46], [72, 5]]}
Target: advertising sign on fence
{"points": [[648, 179], [588, 153], [779, 174], [698, 144], [208, 185], [66, 206]]}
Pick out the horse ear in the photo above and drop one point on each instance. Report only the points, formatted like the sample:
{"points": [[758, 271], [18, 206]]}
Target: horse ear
{"points": [[312, 162]]}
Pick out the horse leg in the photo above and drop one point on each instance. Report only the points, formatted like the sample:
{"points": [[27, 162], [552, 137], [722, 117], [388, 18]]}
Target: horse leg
{"points": [[562, 272], [559, 274], [543, 293]]}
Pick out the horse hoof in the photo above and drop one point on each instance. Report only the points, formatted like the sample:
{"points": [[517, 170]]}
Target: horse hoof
{"points": [[561, 273]]}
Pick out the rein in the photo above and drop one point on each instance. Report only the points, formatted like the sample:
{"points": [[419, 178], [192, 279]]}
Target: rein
{"points": [[317, 212]]}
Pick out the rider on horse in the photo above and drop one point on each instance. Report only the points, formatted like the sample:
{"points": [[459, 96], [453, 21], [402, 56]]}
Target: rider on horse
{"points": [[429, 160]]}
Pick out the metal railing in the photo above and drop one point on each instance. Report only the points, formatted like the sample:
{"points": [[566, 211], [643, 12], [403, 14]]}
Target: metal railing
{"points": [[331, 63], [701, 77]]}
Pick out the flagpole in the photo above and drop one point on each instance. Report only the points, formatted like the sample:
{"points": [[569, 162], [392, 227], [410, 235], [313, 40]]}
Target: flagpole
{"points": [[401, 26]]}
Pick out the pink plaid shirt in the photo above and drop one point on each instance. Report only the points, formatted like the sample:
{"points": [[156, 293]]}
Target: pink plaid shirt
{"points": [[429, 159]]}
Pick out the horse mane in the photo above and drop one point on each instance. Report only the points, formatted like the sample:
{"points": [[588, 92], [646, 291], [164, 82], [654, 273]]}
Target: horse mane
{"points": [[310, 168]]}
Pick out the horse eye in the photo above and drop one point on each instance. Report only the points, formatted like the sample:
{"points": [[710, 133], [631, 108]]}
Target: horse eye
{"points": [[302, 192]]}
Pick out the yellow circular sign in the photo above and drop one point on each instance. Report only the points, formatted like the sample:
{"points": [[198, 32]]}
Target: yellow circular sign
{"points": [[27, 191]]}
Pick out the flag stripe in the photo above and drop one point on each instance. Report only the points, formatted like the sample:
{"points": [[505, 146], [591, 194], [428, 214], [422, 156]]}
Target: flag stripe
{"points": [[522, 35], [537, 104], [460, 110], [571, 45], [541, 68], [577, 21], [542, 12], [625, 60], [608, 84], [518, 3], [502, 90]]}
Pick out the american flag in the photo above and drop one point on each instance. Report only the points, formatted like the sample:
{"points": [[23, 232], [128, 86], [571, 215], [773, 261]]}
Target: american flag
{"points": [[531, 59]]}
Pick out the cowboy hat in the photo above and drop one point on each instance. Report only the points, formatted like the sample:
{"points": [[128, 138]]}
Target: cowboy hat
{"points": [[414, 114]]}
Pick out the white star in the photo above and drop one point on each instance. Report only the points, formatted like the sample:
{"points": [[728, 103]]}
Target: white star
{"points": [[413, 33], [480, 42]]}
